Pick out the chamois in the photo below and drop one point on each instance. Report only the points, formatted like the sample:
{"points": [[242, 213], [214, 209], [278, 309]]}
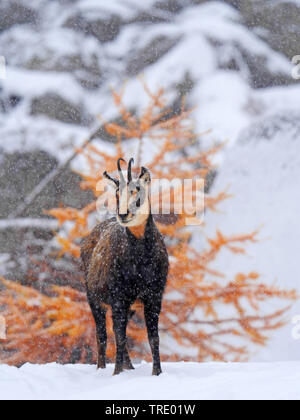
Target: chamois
{"points": [[125, 259]]}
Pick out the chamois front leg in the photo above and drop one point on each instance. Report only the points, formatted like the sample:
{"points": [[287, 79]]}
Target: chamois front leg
{"points": [[120, 318], [152, 312], [127, 365]]}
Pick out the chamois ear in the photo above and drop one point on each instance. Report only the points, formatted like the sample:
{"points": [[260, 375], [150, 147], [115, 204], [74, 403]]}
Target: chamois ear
{"points": [[145, 177], [111, 181]]}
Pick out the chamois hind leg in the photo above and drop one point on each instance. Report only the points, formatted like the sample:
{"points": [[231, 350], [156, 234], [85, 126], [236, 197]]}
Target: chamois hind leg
{"points": [[152, 312], [99, 315], [120, 318], [127, 365]]}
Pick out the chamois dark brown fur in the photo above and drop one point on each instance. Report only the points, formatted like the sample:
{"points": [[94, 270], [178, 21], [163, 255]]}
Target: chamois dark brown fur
{"points": [[125, 260]]}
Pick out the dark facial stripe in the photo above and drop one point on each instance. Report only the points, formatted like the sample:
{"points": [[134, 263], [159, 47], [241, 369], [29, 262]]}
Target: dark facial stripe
{"points": [[139, 199]]}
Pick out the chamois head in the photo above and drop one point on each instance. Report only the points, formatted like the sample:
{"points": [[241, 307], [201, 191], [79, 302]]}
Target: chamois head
{"points": [[133, 197]]}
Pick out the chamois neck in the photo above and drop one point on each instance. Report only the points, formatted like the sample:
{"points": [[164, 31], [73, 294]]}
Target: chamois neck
{"points": [[139, 232]]}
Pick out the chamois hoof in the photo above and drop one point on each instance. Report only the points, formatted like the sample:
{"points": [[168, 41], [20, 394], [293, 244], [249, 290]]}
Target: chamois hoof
{"points": [[101, 366], [117, 371], [156, 371], [129, 367]]}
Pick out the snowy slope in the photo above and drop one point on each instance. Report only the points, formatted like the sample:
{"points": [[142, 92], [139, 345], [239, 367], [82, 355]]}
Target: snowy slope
{"points": [[262, 171], [190, 381]]}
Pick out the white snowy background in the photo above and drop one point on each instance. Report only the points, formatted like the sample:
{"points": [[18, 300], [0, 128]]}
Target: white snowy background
{"points": [[63, 57]]}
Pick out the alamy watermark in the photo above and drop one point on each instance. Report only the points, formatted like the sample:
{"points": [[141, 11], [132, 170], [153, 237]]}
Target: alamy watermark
{"points": [[176, 197], [296, 68], [2, 328], [2, 67], [296, 329]]}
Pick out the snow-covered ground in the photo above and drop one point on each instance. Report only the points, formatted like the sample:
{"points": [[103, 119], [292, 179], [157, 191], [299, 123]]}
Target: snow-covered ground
{"points": [[232, 74], [180, 381]]}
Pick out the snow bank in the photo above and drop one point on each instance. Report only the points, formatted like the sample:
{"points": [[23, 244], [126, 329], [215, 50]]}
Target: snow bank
{"points": [[180, 381], [262, 171]]}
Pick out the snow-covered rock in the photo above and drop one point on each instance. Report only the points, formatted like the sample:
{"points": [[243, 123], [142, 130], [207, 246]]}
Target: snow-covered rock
{"points": [[207, 42], [55, 107], [33, 167], [54, 50], [22, 241], [13, 12], [277, 22]]}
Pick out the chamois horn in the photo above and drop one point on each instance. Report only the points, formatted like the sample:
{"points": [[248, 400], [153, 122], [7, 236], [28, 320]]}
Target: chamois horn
{"points": [[123, 182], [131, 162]]}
